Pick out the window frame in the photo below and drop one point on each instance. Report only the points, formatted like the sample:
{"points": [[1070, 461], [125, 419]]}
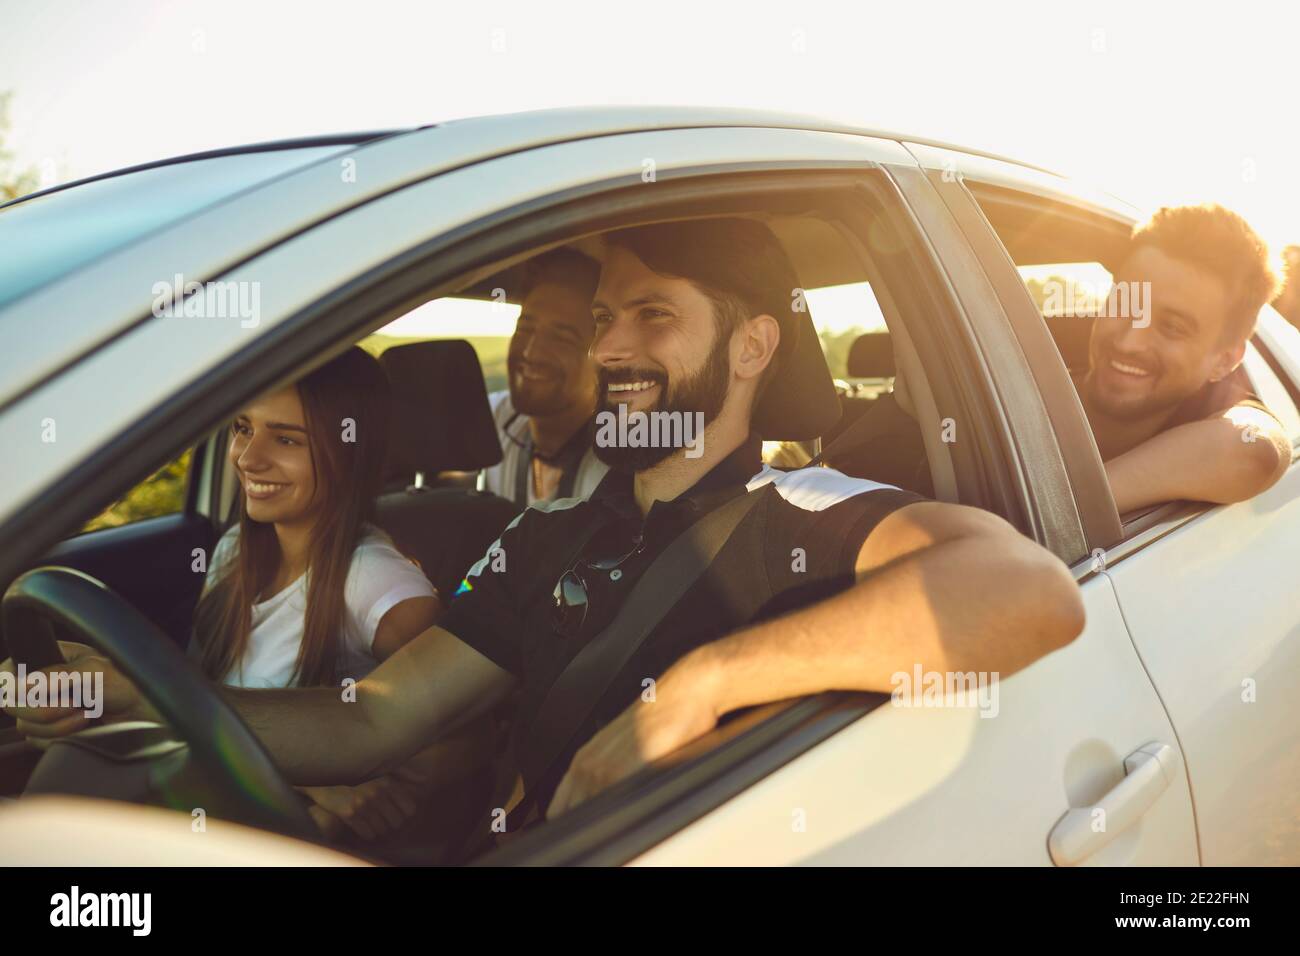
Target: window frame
{"points": [[1102, 522], [1270, 329], [1036, 417]]}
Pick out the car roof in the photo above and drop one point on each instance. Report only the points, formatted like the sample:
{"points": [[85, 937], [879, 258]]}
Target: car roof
{"points": [[576, 123], [302, 142], [271, 207]]}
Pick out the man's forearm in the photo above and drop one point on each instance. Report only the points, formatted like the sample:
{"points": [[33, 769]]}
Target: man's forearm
{"points": [[962, 605], [1215, 460], [457, 755], [315, 736], [344, 735]]}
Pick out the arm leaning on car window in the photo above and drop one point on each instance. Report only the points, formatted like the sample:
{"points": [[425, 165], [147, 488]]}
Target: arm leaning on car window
{"points": [[428, 688], [1231, 457], [946, 587]]}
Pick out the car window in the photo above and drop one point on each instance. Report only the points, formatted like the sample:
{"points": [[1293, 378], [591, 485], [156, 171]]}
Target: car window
{"points": [[841, 314], [162, 493], [1272, 392], [485, 325], [1069, 295], [1065, 256], [1062, 289]]}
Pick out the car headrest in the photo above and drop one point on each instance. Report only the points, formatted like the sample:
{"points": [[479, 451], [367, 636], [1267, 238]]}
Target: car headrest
{"points": [[441, 419], [1071, 333], [800, 402], [872, 356]]}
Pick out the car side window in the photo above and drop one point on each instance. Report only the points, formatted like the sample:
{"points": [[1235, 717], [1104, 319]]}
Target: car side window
{"points": [[1272, 392], [1070, 295], [487, 326], [162, 493], [841, 315], [1066, 256]]}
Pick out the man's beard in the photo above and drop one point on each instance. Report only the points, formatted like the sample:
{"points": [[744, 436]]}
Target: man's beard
{"points": [[1120, 410], [705, 391]]}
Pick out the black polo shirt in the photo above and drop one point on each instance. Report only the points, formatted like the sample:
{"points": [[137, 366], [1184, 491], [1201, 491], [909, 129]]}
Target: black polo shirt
{"points": [[1215, 398], [1211, 400], [798, 545]]}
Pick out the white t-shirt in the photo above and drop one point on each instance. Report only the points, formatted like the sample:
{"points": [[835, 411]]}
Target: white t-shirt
{"points": [[503, 477], [379, 579]]}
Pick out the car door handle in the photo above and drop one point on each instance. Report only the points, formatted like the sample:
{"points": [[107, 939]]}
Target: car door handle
{"points": [[1148, 772]]}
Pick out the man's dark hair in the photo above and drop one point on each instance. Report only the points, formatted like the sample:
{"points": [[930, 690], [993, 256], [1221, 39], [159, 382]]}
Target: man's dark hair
{"points": [[1222, 243], [565, 267], [738, 263]]}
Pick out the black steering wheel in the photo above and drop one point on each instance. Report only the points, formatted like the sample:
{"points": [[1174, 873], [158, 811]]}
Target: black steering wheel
{"points": [[220, 742]]}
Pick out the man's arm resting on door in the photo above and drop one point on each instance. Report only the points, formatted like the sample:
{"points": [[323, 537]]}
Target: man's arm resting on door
{"points": [[944, 587], [1230, 458]]}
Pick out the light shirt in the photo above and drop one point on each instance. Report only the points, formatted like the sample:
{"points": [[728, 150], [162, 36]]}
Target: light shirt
{"points": [[379, 578], [504, 478]]}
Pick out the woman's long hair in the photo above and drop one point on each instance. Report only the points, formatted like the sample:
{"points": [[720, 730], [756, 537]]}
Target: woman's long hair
{"points": [[346, 404]]}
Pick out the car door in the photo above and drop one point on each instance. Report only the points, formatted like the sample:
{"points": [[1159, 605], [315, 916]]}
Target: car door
{"points": [[1215, 624], [1210, 597]]}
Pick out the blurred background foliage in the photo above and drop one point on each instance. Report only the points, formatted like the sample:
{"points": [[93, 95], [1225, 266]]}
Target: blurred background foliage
{"points": [[162, 493], [14, 182]]}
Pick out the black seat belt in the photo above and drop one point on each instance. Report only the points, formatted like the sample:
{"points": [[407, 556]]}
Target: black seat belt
{"points": [[574, 695], [852, 436]]}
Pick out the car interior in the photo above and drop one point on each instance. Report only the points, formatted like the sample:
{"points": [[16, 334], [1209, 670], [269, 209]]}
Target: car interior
{"points": [[886, 428]]}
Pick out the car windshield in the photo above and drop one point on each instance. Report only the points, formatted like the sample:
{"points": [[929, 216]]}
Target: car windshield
{"points": [[47, 236]]}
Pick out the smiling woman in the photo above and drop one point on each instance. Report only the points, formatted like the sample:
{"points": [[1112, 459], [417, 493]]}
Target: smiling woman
{"points": [[304, 590], [298, 590]]}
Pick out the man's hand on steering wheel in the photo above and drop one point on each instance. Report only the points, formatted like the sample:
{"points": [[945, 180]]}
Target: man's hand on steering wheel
{"points": [[121, 701], [144, 676]]}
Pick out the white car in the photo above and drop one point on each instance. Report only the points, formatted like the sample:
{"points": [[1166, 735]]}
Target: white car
{"points": [[1172, 719]]}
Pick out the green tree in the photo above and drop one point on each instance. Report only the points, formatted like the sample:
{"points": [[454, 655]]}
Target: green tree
{"points": [[162, 493], [13, 181]]}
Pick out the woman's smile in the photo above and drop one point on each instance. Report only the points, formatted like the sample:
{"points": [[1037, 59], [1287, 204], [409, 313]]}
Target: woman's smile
{"points": [[261, 490]]}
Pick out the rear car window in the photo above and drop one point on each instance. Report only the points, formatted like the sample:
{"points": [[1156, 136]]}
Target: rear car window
{"points": [[842, 313]]}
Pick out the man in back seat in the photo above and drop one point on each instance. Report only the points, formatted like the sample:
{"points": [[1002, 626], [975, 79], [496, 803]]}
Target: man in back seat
{"points": [[1171, 411], [543, 420], [1173, 416]]}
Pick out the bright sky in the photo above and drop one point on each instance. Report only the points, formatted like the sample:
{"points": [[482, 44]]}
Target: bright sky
{"points": [[1156, 102]]}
